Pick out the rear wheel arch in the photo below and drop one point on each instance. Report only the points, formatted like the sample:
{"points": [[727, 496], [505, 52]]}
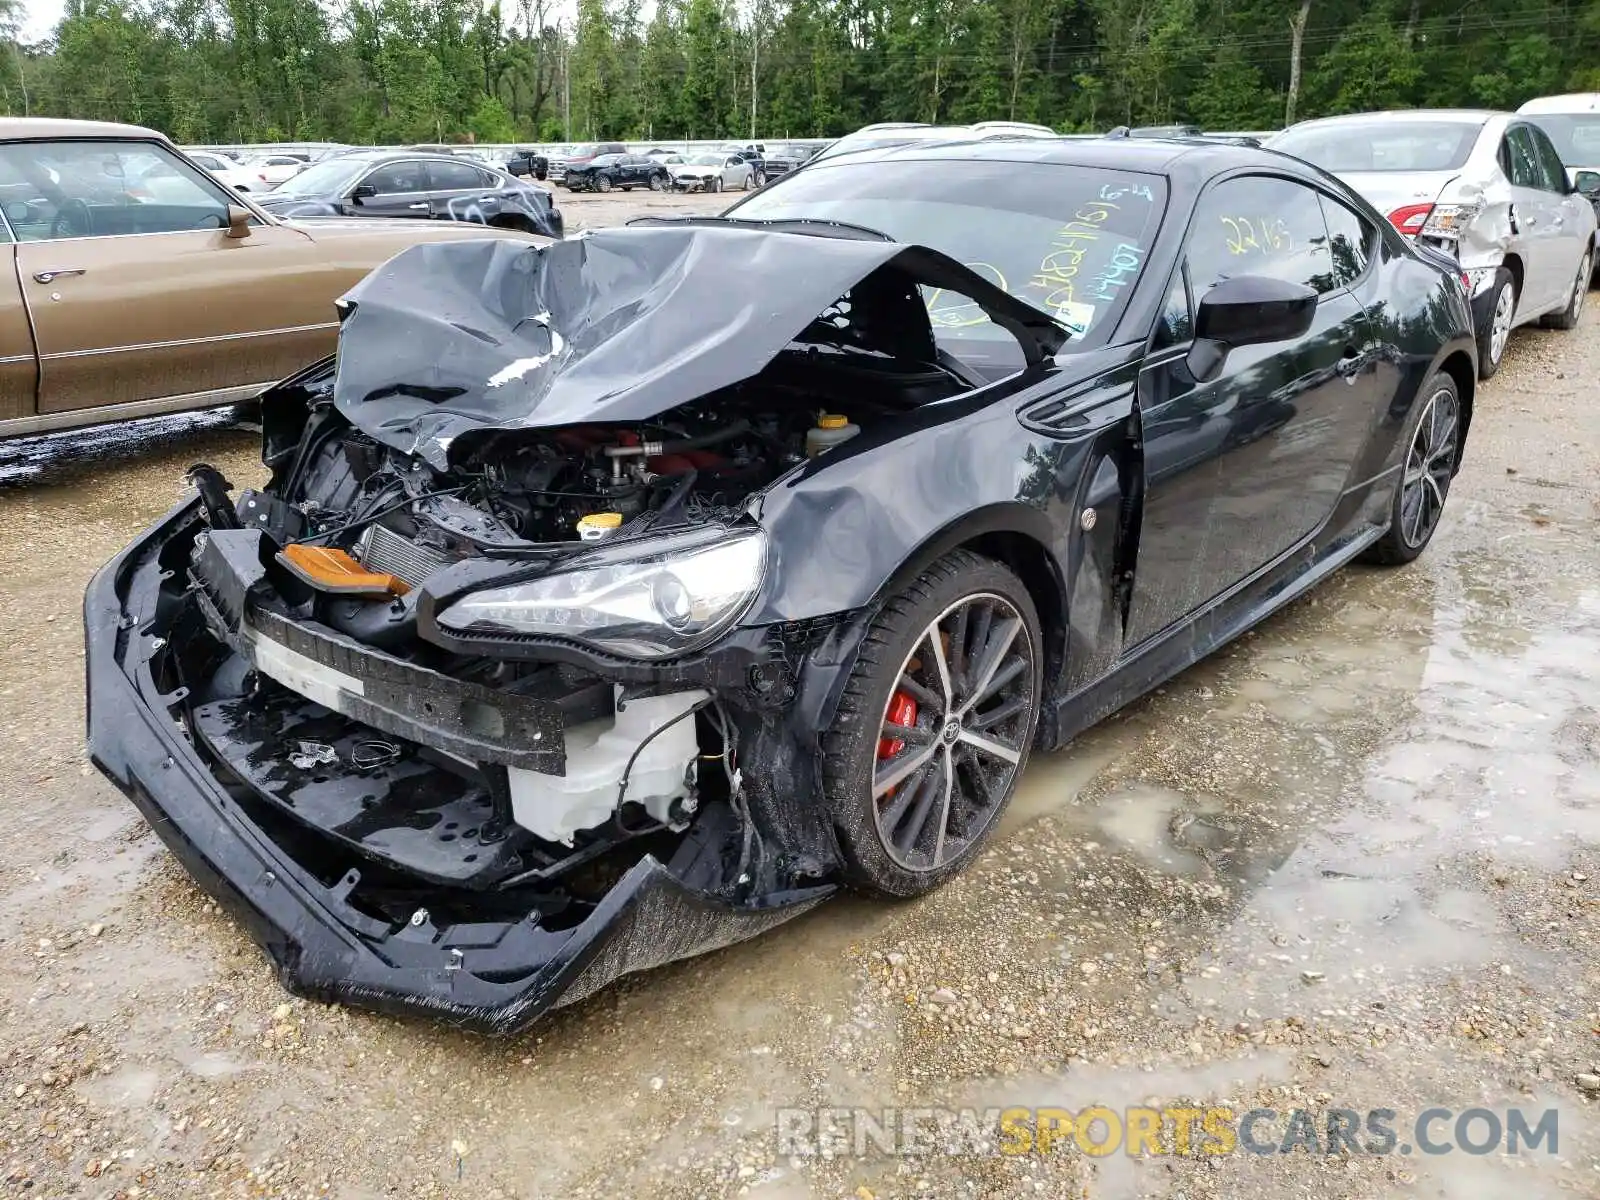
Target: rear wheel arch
{"points": [[1513, 263], [1458, 366]]}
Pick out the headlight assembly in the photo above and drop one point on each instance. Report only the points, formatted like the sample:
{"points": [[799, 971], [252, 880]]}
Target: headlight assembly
{"points": [[656, 605]]}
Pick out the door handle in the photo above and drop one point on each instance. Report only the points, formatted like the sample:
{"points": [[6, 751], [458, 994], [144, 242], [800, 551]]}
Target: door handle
{"points": [[58, 273], [1559, 221], [416, 206], [1350, 364]]}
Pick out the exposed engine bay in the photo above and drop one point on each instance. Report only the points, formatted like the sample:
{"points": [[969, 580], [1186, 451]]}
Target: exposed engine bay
{"points": [[532, 764]]}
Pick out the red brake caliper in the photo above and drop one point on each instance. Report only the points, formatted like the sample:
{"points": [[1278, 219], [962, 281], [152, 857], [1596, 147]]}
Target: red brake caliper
{"points": [[902, 711]]}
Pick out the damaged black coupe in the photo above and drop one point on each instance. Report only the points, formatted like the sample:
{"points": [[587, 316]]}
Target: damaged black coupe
{"points": [[601, 609]]}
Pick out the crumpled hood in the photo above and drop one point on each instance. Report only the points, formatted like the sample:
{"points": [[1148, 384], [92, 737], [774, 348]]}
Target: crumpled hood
{"points": [[616, 325]]}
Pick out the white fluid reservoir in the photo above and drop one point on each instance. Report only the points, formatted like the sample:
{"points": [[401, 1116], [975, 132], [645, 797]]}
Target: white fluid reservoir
{"points": [[555, 807]]}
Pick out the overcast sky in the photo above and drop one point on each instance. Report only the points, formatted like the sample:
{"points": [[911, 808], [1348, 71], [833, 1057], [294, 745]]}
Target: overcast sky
{"points": [[40, 17]]}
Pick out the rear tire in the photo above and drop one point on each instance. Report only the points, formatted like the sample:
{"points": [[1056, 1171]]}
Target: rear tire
{"points": [[1433, 450], [1496, 332], [1569, 316], [960, 645]]}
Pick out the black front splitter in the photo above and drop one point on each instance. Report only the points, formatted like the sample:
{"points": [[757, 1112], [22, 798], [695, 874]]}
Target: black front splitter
{"points": [[494, 977]]}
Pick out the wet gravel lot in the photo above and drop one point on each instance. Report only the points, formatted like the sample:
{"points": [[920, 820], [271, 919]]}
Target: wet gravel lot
{"points": [[1349, 862]]}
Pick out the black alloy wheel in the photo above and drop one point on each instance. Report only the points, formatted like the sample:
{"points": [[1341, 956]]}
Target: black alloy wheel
{"points": [[935, 725]]}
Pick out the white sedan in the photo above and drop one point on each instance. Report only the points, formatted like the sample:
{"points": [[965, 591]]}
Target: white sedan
{"points": [[225, 171], [711, 173], [272, 169]]}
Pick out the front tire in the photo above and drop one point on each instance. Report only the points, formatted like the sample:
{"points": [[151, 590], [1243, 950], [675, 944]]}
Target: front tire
{"points": [[1433, 450], [1496, 331], [657, 183], [934, 726], [716, 184], [603, 184], [1569, 316]]}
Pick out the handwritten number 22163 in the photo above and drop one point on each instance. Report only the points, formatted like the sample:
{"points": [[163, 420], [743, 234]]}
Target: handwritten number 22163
{"points": [[1267, 234]]}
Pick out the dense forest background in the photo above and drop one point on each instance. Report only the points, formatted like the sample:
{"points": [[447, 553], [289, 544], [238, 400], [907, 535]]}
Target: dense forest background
{"points": [[379, 71]]}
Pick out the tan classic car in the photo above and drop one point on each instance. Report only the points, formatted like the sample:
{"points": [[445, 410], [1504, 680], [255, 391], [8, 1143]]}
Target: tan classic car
{"points": [[141, 285]]}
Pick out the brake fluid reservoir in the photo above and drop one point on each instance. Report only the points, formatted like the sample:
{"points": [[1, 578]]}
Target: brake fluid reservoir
{"points": [[831, 430], [598, 525]]}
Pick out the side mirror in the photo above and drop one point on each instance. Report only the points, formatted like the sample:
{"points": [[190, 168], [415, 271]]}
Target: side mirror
{"points": [[238, 221], [1248, 310], [363, 191], [1587, 183]]}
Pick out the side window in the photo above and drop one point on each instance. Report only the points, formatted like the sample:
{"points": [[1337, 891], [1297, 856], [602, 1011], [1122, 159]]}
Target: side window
{"points": [[454, 176], [397, 177], [1176, 323], [1349, 239], [54, 190], [1525, 170], [1257, 225], [1555, 171]]}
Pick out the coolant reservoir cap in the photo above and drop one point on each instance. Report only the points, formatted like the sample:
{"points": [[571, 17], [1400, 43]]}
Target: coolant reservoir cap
{"points": [[602, 520], [832, 421]]}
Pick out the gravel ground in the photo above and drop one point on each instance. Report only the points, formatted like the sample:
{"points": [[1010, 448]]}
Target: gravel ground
{"points": [[1349, 862]]}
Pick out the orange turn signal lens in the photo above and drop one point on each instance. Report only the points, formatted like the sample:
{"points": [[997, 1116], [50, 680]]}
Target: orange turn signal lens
{"points": [[332, 570]]}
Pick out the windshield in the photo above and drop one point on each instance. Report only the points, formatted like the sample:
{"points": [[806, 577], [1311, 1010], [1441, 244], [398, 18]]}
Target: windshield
{"points": [[786, 150], [586, 150], [1359, 146], [1576, 135], [1069, 240], [333, 177], [706, 160]]}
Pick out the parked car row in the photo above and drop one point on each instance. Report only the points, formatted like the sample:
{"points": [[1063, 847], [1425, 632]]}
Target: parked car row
{"points": [[1492, 190], [141, 284]]}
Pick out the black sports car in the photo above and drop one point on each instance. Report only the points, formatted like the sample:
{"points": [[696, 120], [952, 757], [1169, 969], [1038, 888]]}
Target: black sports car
{"points": [[600, 611], [415, 185], [625, 171]]}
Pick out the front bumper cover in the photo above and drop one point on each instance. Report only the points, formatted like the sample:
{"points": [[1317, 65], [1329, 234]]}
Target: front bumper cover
{"points": [[493, 977]]}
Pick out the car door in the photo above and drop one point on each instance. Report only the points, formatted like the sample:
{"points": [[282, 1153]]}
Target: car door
{"points": [[733, 169], [1572, 218], [1241, 468], [461, 191], [19, 366], [141, 301], [1536, 219], [400, 189]]}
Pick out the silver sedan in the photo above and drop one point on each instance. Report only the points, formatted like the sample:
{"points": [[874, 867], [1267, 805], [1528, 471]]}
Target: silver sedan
{"points": [[1488, 188], [716, 172]]}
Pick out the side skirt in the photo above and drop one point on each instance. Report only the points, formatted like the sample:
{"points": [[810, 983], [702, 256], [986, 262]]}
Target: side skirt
{"points": [[1198, 636]]}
